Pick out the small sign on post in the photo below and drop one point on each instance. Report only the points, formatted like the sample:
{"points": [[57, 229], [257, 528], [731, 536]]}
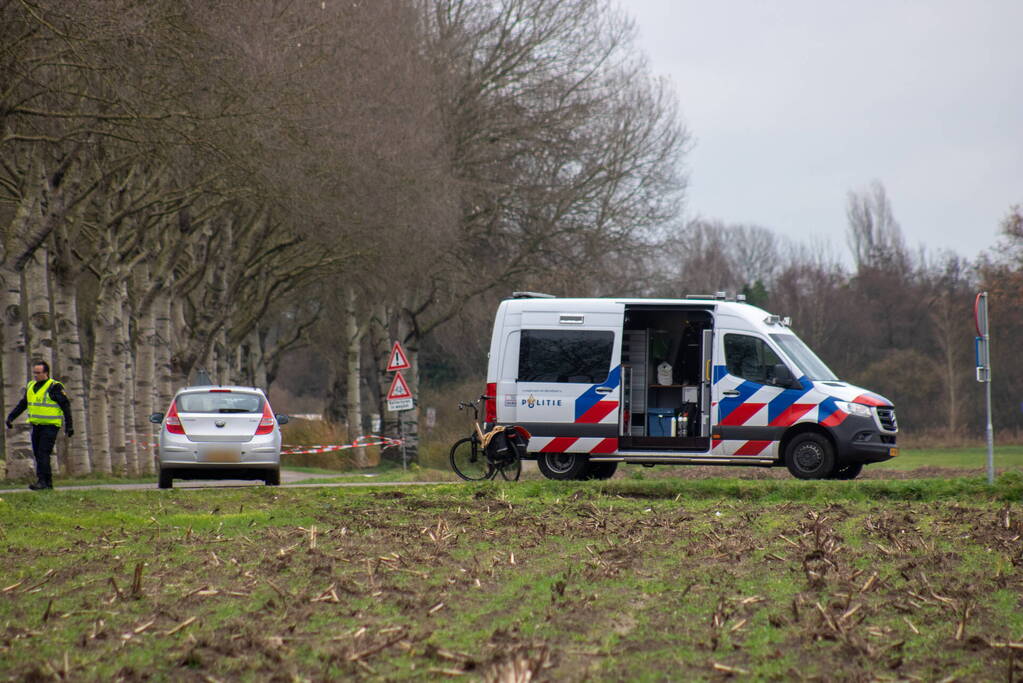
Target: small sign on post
{"points": [[399, 397], [398, 359], [983, 352]]}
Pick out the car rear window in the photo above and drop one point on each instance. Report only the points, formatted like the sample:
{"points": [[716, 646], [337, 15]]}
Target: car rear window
{"points": [[219, 402]]}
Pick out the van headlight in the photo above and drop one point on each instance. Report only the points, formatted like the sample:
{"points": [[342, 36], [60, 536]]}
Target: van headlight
{"points": [[857, 409]]}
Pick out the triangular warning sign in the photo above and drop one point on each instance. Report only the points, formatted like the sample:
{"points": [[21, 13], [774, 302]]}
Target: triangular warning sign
{"points": [[399, 361], [399, 388]]}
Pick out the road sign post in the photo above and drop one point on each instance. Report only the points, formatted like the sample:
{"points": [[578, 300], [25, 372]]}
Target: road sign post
{"points": [[399, 398], [983, 352]]}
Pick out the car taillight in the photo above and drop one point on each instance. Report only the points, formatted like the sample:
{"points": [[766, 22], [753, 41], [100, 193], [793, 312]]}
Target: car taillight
{"points": [[266, 424], [172, 422], [490, 412]]}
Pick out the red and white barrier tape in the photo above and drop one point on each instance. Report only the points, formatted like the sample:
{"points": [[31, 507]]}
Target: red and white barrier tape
{"points": [[360, 442]]}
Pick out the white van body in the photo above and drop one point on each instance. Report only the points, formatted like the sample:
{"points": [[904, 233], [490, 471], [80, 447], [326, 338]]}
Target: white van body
{"points": [[675, 381]]}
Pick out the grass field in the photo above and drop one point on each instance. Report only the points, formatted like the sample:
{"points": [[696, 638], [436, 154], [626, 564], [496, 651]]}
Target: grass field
{"points": [[627, 579], [1006, 457], [933, 462]]}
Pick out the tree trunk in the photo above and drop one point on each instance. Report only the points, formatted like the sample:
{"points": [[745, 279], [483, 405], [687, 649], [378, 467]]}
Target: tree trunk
{"points": [[257, 360], [221, 357], [242, 366], [354, 394], [145, 381], [182, 363], [18, 444], [37, 295], [395, 424], [116, 387], [411, 417], [72, 373], [40, 332], [164, 377], [129, 401], [943, 316], [100, 399]]}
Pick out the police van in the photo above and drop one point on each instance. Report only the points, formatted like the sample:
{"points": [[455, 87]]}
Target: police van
{"points": [[701, 380]]}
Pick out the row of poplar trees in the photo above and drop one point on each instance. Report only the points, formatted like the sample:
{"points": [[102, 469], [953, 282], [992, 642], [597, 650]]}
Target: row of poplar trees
{"points": [[190, 185]]}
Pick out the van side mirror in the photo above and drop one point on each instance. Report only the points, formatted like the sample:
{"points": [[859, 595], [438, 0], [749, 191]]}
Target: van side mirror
{"points": [[156, 418], [282, 419], [783, 376]]}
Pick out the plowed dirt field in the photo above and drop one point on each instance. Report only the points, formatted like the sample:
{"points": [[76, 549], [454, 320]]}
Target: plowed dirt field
{"points": [[515, 582]]}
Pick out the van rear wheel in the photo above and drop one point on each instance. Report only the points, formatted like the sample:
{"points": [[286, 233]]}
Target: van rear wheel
{"points": [[810, 456], [563, 465], [601, 470]]}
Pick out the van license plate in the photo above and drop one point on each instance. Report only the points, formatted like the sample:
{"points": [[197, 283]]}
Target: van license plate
{"points": [[893, 452], [223, 456]]}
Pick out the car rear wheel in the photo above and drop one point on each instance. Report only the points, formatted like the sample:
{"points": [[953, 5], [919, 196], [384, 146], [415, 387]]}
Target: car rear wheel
{"points": [[810, 456], [273, 478], [166, 480], [563, 465]]}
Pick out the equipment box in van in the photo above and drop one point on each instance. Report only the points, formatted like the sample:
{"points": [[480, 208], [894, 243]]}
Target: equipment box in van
{"points": [[675, 381]]}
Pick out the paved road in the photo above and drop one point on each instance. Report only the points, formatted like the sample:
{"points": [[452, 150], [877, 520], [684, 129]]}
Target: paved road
{"points": [[288, 478]]}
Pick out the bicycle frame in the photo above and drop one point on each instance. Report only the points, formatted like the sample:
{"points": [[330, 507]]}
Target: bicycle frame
{"points": [[503, 464]]}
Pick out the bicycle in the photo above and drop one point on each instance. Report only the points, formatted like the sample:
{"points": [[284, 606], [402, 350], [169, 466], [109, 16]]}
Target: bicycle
{"points": [[477, 457]]}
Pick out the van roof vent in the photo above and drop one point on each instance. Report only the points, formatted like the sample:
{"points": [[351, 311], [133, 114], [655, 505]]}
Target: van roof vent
{"points": [[532, 295]]}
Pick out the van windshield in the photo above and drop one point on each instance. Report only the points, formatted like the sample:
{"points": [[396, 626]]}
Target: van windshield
{"points": [[812, 366]]}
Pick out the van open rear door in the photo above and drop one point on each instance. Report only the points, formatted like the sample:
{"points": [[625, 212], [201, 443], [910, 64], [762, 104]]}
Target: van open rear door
{"points": [[707, 384]]}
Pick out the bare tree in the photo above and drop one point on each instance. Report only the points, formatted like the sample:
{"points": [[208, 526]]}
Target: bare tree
{"points": [[875, 237]]}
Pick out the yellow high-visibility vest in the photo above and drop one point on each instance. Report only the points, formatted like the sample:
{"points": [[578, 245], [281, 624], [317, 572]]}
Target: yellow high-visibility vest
{"points": [[43, 410]]}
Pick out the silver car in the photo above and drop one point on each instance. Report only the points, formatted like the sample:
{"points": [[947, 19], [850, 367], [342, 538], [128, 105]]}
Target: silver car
{"points": [[219, 433]]}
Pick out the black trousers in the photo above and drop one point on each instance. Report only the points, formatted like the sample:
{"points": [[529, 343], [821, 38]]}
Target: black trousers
{"points": [[43, 439]]}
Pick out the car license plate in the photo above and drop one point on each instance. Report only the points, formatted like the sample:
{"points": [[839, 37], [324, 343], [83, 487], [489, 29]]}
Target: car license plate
{"points": [[222, 456], [893, 452]]}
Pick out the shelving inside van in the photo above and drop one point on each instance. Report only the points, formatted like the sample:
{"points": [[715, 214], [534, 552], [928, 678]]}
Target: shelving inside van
{"points": [[665, 378]]}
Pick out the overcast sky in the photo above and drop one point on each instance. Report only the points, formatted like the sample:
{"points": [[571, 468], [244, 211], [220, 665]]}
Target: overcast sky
{"points": [[794, 103]]}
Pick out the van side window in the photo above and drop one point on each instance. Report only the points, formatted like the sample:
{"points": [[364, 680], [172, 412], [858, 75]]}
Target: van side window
{"points": [[750, 358], [573, 356]]}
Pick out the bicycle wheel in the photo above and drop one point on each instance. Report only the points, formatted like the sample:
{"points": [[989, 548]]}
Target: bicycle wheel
{"points": [[510, 469], [468, 460]]}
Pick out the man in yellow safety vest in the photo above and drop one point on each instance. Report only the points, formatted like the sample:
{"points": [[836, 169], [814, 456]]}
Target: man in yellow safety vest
{"points": [[46, 403]]}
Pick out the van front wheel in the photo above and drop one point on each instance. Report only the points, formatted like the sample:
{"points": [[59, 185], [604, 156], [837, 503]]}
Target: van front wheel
{"points": [[563, 465], [850, 471], [810, 456]]}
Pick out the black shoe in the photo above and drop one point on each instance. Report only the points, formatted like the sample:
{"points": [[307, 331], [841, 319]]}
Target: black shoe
{"points": [[40, 486]]}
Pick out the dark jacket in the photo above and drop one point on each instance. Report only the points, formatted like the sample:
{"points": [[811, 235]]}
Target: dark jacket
{"points": [[56, 393]]}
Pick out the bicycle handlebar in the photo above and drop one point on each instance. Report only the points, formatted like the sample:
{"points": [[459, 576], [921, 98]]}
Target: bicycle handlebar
{"points": [[470, 404]]}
